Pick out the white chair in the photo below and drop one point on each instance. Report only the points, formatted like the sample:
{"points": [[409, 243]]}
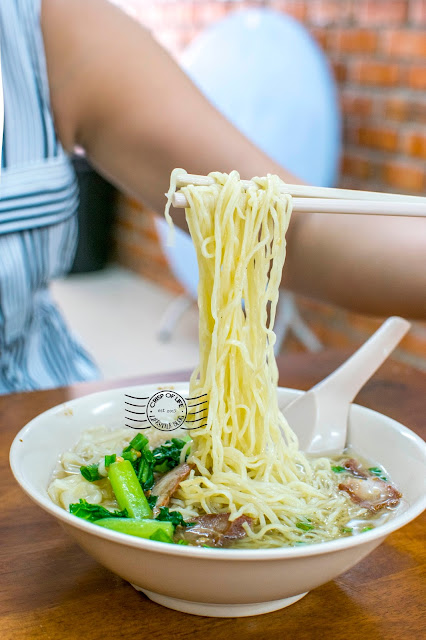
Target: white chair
{"points": [[268, 76]]}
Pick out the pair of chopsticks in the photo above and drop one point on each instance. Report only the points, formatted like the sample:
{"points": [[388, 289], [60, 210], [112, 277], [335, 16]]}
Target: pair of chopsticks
{"points": [[308, 199]]}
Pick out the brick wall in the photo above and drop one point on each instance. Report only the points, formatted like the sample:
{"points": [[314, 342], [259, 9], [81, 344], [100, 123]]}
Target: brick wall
{"points": [[377, 49]]}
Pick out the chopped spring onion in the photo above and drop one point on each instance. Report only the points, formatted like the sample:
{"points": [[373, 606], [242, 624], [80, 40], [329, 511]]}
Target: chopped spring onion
{"points": [[90, 472], [110, 459], [377, 471]]}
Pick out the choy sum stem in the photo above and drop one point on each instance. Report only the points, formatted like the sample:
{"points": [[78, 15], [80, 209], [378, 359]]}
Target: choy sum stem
{"points": [[162, 531], [128, 490]]}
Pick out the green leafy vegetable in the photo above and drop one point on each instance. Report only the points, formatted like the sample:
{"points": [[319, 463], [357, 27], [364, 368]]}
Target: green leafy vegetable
{"points": [[90, 472], [145, 471], [92, 512], [144, 462], [167, 456], [338, 469], [152, 501], [175, 517], [366, 529], [305, 525], [377, 471]]}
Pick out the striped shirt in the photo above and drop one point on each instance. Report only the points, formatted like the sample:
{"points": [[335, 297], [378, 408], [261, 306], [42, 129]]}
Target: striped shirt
{"points": [[38, 224]]}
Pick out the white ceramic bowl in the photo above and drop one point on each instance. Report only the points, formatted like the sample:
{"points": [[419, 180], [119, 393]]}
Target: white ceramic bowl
{"points": [[219, 582]]}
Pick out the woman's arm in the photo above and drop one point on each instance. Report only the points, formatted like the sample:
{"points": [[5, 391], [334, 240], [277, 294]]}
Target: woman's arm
{"points": [[120, 96]]}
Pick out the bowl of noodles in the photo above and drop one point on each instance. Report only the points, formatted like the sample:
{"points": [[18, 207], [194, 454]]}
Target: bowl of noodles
{"points": [[198, 494], [239, 579]]}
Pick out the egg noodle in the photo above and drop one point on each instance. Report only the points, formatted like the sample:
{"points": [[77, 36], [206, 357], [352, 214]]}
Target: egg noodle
{"points": [[247, 459]]}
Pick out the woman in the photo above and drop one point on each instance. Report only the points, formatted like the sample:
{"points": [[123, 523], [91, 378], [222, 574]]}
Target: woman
{"points": [[83, 73]]}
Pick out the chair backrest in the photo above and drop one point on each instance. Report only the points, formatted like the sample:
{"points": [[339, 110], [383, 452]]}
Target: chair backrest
{"points": [[267, 75]]}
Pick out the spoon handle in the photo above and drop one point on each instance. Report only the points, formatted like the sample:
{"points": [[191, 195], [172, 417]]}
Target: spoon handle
{"points": [[351, 376]]}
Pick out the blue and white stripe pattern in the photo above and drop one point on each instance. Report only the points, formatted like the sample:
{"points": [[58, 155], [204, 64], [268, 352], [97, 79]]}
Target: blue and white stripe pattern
{"points": [[38, 226]]}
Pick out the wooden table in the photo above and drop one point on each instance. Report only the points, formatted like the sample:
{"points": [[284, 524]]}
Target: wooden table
{"points": [[50, 588]]}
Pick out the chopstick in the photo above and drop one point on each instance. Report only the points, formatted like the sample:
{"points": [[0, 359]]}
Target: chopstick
{"points": [[330, 205], [309, 199]]}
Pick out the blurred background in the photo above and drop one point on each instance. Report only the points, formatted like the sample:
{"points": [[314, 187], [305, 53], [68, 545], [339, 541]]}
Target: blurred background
{"points": [[376, 53]]}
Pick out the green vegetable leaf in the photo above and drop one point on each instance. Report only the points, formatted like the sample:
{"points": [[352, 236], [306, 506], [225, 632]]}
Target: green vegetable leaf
{"points": [[366, 529], [92, 512], [90, 472], [145, 471], [305, 525], [338, 469], [175, 517], [110, 459], [152, 501], [167, 456], [377, 471]]}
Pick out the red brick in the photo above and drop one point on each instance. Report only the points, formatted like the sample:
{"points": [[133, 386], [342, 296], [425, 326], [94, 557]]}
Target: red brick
{"points": [[327, 12], [340, 71], [418, 111], [378, 138], [355, 41], [356, 167], [418, 12], [356, 105], [322, 36], [380, 12], [396, 109], [376, 73], [405, 110], [405, 44], [404, 176], [416, 77], [295, 8], [415, 145]]}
